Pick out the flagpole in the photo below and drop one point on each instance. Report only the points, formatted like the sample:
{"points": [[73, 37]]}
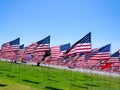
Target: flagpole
{"points": [[91, 59], [110, 67]]}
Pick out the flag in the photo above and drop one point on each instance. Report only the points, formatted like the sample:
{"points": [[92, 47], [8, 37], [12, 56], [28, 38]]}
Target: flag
{"points": [[38, 49], [106, 66], [57, 51], [6, 47], [115, 58], [42, 50], [10, 48], [43, 45], [81, 46], [102, 53], [46, 40], [116, 55], [11, 45], [105, 52], [63, 48], [15, 42], [21, 47], [6, 51], [30, 49], [105, 48]]}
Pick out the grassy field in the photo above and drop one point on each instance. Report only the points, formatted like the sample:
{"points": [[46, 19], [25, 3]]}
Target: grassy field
{"points": [[24, 77]]}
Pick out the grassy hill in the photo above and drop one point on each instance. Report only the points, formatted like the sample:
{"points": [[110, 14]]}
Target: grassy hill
{"points": [[24, 77]]}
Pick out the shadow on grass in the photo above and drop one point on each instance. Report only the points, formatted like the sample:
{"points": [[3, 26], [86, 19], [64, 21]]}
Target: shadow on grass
{"points": [[71, 80], [52, 88], [52, 76], [10, 76], [3, 85], [53, 80], [80, 86], [4, 69], [16, 72], [30, 81], [92, 85], [1, 73]]}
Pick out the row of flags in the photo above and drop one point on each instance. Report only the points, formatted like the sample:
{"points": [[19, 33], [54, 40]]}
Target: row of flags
{"points": [[39, 50]]}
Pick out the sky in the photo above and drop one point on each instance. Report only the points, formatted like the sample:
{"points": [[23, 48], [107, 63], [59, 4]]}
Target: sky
{"points": [[66, 21]]}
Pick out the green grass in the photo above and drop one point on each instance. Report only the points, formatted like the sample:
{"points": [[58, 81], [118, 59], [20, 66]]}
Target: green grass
{"points": [[25, 77]]}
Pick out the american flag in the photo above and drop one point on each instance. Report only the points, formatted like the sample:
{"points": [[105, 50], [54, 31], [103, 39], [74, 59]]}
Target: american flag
{"points": [[43, 46], [102, 53], [15, 47], [6, 48], [21, 46], [30, 49], [116, 54], [38, 49], [57, 51], [115, 58], [10, 48], [81, 46], [15, 44]]}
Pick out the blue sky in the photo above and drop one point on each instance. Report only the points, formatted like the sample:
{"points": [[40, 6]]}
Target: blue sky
{"points": [[65, 20]]}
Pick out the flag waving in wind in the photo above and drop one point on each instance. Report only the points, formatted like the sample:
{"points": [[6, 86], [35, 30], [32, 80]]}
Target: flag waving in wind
{"points": [[12, 45], [102, 53], [15, 42], [57, 51], [63, 48], [21, 46], [43, 45], [116, 54], [115, 58], [10, 49], [42, 50], [30, 49], [81, 46]]}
